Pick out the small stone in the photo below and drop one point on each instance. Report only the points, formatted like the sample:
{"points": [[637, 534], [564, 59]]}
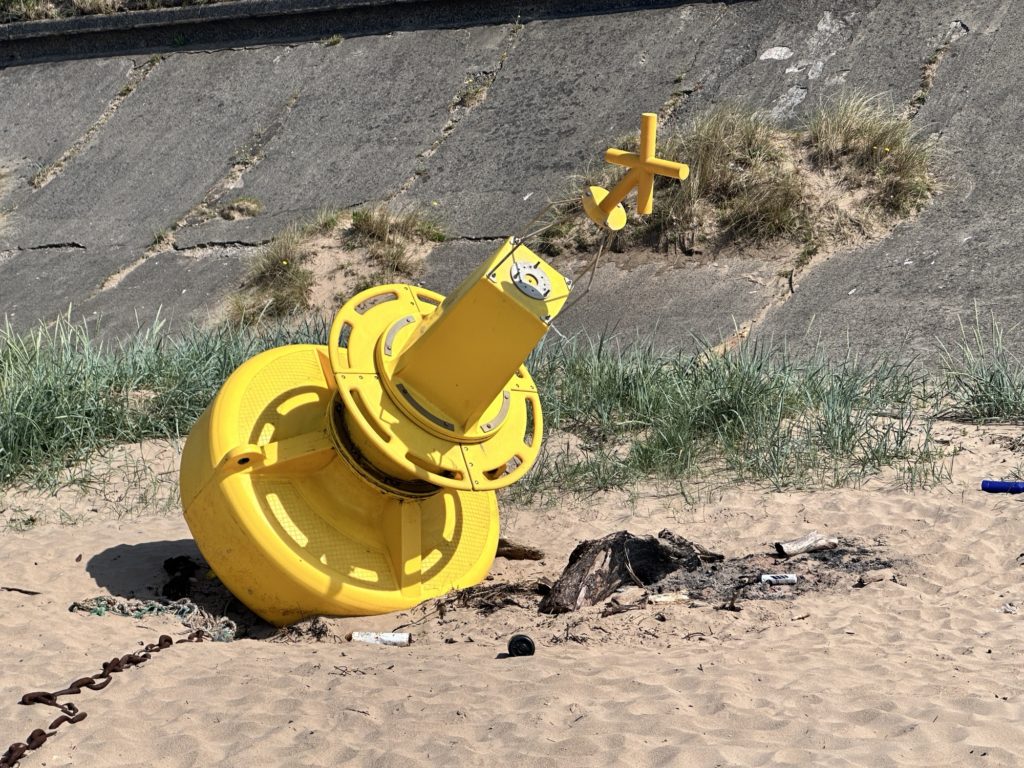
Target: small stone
{"points": [[778, 53]]}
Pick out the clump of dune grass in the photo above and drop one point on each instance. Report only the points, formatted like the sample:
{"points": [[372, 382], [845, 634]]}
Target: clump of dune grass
{"points": [[874, 146], [244, 207], [323, 222], [387, 236], [743, 186], [380, 224], [278, 283], [616, 414], [93, 7], [65, 394], [983, 378], [26, 10], [753, 413], [754, 181], [32, 10]]}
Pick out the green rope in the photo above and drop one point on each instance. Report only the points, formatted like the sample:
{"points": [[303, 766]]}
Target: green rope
{"points": [[220, 628]]}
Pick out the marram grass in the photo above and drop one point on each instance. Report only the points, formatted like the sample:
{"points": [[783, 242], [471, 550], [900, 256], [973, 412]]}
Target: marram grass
{"points": [[616, 413]]}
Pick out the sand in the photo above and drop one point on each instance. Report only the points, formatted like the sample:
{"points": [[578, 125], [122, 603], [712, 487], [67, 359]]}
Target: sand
{"points": [[923, 670]]}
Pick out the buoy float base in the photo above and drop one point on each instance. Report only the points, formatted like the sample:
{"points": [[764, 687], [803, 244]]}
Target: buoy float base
{"points": [[296, 523]]}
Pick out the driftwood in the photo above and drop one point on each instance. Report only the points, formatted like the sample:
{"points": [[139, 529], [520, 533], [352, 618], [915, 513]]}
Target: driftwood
{"points": [[599, 567], [513, 550], [19, 589], [811, 542], [627, 599], [872, 577]]}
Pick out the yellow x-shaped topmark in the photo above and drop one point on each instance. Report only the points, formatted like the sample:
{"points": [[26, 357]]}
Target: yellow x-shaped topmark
{"points": [[604, 207]]}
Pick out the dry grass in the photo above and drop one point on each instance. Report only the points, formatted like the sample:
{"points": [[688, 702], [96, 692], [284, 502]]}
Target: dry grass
{"points": [[742, 178], [324, 221], [329, 257], [754, 182], [387, 236], [873, 146], [92, 7], [26, 10], [162, 238], [241, 208], [278, 283], [474, 89], [380, 224]]}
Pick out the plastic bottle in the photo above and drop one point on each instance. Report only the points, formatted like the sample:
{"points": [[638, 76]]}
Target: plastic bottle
{"points": [[775, 579], [382, 638], [1002, 486]]}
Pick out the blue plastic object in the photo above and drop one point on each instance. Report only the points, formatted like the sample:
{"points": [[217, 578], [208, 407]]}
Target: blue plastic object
{"points": [[1002, 486]]}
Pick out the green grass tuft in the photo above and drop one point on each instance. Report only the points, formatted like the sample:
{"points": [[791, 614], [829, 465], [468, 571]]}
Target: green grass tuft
{"points": [[984, 379], [325, 221], [380, 224], [278, 283], [64, 395], [753, 413], [875, 146]]}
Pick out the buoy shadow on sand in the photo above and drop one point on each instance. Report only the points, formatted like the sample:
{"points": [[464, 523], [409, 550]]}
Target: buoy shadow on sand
{"points": [[144, 571]]}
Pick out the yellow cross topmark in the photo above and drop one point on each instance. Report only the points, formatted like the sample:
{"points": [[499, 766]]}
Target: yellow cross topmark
{"points": [[605, 208]]}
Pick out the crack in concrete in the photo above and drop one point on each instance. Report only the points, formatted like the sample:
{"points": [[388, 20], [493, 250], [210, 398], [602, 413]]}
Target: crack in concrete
{"points": [[956, 30], [472, 93], [242, 161], [220, 244], [137, 74], [46, 246], [478, 239], [245, 159], [684, 89], [118, 277]]}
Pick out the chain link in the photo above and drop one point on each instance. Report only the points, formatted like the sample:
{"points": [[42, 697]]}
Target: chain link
{"points": [[69, 713]]}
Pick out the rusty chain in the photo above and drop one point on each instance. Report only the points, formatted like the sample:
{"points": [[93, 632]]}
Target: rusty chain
{"points": [[69, 712]]}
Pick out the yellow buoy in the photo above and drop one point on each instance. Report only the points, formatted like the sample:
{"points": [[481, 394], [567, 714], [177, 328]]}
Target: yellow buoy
{"points": [[359, 477]]}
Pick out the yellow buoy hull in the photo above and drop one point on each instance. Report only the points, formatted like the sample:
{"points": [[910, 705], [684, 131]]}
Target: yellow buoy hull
{"points": [[296, 523]]}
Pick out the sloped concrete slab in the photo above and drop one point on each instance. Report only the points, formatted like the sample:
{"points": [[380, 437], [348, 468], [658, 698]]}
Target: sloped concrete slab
{"points": [[368, 107], [683, 307], [38, 285], [786, 57], [452, 261], [44, 110], [960, 255], [162, 150], [671, 307], [178, 288], [567, 88], [359, 121]]}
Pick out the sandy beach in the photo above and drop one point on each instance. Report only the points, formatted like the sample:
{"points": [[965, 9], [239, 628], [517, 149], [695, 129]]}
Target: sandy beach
{"points": [[920, 668]]}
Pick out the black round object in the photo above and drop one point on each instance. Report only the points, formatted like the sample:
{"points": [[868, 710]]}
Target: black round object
{"points": [[521, 645]]}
